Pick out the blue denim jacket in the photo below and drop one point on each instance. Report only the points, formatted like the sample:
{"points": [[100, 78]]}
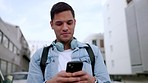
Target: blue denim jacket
{"points": [[79, 54]]}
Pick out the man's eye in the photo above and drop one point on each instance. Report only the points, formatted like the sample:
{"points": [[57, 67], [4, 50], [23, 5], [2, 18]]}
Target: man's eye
{"points": [[70, 22], [59, 23]]}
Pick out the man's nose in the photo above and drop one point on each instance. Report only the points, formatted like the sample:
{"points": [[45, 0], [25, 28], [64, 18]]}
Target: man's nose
{"points": [[65, 27]]}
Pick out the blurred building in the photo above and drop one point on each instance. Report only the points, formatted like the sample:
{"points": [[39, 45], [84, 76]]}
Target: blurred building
{"points": [[98, 40], [14, 49], [126, 40]]}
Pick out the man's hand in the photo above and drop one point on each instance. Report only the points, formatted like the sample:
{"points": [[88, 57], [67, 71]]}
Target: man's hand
{"points": [[84, 77], [76, 77], [63, 77]]}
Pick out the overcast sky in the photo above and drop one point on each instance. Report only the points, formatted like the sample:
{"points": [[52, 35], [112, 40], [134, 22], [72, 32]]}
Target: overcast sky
{"points": [[32, 16]]}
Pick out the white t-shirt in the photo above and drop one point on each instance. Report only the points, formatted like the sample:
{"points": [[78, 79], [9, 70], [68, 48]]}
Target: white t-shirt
{"points": [[64, 57]]}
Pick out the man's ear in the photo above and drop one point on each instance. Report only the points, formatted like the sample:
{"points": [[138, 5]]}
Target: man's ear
{"points": [[51, 24], [74, 21]]}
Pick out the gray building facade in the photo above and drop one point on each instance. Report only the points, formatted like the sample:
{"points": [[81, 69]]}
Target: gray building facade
{"points": [[126, 40], [137, 30], [14, 49]]}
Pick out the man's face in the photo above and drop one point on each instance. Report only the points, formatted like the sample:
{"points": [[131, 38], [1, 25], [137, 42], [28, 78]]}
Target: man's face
{"points": [[63, 25]]}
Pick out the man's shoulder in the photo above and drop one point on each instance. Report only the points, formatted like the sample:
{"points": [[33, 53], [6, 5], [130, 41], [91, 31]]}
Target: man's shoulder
{"points": [[83, 44], [94, 46], [37, 54]]}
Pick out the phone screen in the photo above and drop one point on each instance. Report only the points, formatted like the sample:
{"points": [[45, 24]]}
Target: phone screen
{"points": [[74, 66]]}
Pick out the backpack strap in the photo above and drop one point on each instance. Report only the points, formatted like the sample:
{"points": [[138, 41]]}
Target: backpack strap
{"points": [[92, 57], [44, 59]]}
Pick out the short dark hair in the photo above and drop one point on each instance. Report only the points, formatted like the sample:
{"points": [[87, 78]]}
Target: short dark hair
{"points": [[60, 7]]}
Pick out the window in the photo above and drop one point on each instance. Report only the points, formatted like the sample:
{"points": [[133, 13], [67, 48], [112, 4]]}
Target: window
{"points": [[11, 46], [110, 34], [5, 41], [14, 68], [1, 34], [112, 63], [15, 50], [94, 42], [108, 6], [102, 43], [111, 48], [108, 20], [3, 67], [9, 68], [128, 1]]}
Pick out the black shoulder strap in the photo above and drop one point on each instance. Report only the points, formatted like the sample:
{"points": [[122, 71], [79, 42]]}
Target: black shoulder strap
{"points": [[44, 59], [92, 57]]}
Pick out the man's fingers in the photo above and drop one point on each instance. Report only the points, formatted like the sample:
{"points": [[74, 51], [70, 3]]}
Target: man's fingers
{"points": [[64, 74], [79, 73]]}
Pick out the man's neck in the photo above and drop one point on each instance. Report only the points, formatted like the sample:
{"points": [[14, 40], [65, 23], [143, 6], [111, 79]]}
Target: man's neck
{"points": [[67, 45]]}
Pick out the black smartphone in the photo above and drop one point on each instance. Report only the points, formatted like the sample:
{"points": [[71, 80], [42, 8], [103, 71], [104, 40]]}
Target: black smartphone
{"points": [[74, 66]]}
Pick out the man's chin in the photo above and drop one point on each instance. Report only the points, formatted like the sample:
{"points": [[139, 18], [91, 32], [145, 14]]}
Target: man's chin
{"points": [[66, 39]]}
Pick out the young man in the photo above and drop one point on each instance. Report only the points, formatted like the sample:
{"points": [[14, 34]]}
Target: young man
{"points": [[66, 48]]}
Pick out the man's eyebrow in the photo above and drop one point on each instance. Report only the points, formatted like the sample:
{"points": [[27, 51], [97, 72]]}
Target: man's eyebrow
{"points": [[63, 21], [58, 21], [70, 20]]}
